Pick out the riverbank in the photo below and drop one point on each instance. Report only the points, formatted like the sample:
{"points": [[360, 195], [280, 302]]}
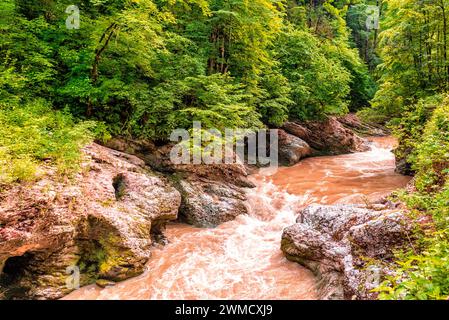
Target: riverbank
{"points": [[241, 259], [238, 259]]}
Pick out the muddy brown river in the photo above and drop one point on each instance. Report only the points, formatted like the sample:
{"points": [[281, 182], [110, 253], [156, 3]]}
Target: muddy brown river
{"points": [[242, 259]]}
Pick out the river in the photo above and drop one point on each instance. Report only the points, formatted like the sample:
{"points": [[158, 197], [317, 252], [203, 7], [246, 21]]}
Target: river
{"points": [[241, 259]]}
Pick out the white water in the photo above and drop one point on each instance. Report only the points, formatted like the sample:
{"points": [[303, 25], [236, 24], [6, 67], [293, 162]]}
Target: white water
{"points": [[241, 259]]}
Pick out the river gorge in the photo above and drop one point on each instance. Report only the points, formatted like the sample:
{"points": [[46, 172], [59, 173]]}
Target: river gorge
{"points": [[241, 259]]}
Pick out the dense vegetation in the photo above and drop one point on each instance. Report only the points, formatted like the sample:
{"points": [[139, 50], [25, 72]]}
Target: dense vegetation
{"points": [[141, 68], [413, 77]]}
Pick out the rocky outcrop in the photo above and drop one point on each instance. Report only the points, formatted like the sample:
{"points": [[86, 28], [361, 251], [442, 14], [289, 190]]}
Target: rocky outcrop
{"points": [[158, 158], [211, 193], [292, 149], [103, 222], [338, 243], [327, 137], [403, 164], [352, 122], [207, 203]]}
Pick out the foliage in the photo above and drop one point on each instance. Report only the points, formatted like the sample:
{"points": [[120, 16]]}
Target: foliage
{"points": [[413, 47], [421, 277], [425, 274], [216, 101], [142, 68], [409, 128], [413, 78], [431, 158], [320, 84], [363, 38], [33, 134]]}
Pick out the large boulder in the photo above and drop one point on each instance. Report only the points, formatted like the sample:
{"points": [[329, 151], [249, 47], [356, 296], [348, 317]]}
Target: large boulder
{"points": [[211, 193], [327, 137], [207, 203], [103, 222], [336, 243], [292, 149], [158, 158]]}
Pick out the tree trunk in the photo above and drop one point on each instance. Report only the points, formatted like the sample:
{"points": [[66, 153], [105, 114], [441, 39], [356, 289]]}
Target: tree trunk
{"points": [[106, 37]]}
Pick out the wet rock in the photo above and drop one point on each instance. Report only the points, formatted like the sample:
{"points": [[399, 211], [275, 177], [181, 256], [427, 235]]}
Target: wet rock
{"points": [[158, 158], [101, 222], [292, 149], [104, 283], [335, 242], [352, 121], [210, 203], [327, 137], [211, 193]]}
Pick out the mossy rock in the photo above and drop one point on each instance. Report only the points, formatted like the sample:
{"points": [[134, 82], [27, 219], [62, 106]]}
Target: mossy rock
{"points": [[102, 283]]}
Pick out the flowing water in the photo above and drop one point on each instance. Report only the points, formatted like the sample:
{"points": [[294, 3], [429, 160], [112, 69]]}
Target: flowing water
{"points": [[241, 259]]}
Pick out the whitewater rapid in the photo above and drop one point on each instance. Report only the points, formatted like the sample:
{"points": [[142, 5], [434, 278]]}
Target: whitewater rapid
{"points": [[242, 259]]}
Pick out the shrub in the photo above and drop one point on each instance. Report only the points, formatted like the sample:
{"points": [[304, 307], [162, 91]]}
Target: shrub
{"points": [[431, 159], [410, 127], [423, 273], [216, 101], [33, 134]]}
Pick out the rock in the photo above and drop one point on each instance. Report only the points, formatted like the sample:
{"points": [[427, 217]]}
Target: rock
{"points": [[376, 237], [104, 283], [138, 148], [351, 121], [102, 222], [403, 166], [335, 243], [292, 149], [211, 193], [208, 204], [158, 158], [328, 137]]}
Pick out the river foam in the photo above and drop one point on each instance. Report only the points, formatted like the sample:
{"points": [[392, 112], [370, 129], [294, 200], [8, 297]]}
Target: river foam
{"points": [[241, 259]]}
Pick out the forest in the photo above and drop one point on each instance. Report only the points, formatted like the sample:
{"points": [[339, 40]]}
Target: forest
{"points": [[143, 68]]}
